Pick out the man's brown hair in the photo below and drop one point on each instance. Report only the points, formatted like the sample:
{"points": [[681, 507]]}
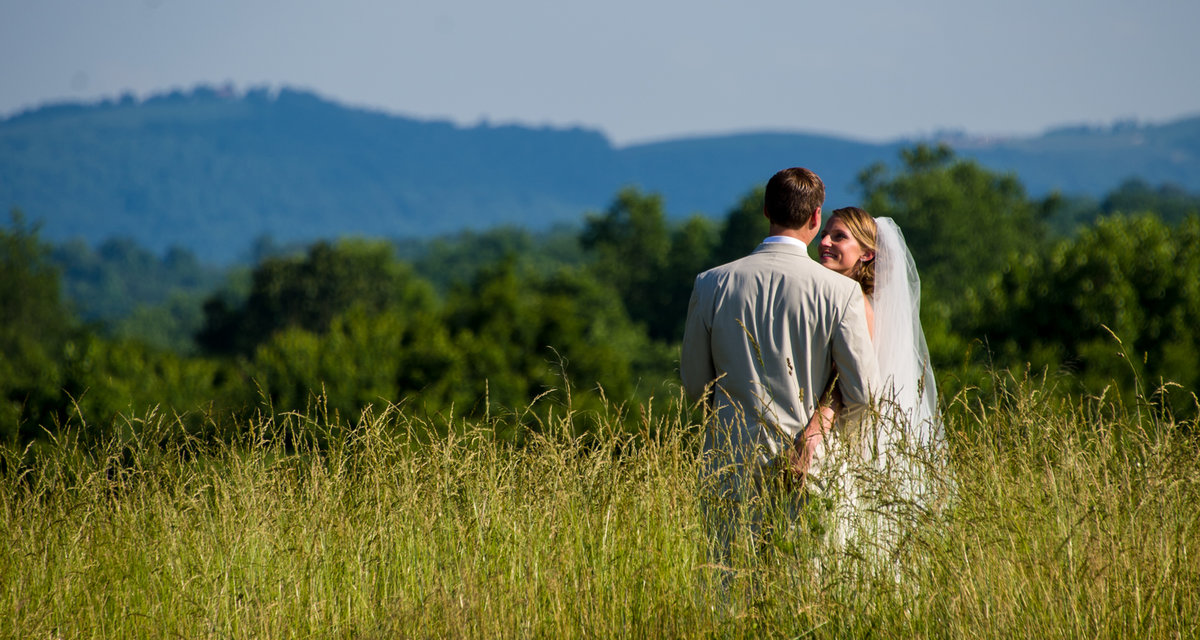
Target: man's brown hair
{"points": [[793, 196]]}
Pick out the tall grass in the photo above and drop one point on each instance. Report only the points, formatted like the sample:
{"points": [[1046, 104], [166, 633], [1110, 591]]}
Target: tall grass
{"points": [[1061, 518]]}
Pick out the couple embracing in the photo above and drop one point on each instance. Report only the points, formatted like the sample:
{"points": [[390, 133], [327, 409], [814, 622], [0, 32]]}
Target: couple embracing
{"points": [[807, 363]]}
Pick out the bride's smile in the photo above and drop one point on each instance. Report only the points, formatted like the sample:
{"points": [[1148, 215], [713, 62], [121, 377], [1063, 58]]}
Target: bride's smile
{"points": [[839, 250]]}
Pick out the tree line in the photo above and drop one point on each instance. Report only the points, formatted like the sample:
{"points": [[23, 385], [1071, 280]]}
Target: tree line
{"points": [[508, 325]]}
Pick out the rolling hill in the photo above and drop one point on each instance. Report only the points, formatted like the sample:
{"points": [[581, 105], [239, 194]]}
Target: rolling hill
{"points": [[211, 170]]}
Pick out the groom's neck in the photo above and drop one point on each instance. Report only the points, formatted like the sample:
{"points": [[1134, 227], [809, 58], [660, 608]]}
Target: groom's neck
{"points": [[803, 235]]}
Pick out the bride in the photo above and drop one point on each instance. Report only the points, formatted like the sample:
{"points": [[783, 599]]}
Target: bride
{"points": [[907, 423]]}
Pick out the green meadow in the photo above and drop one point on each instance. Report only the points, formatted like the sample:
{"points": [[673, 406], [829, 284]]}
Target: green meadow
{"points": [[1055, 518]]}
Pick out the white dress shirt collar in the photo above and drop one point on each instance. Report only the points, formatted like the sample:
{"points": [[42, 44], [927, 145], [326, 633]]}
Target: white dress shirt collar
{"points": [[784, 240]]}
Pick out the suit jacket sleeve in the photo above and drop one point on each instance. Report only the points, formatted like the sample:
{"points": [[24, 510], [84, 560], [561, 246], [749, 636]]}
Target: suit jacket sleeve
{"points": [[696, 367], [854, 356]]}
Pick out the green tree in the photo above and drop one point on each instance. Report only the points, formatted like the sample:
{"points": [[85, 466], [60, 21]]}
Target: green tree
{"points": [[105, 285], [455, 259], [630, 244], [114, 382], [171, 324], [1171, 202], [743, 229], [961, 221], [397, 355], [308, 291], [35, 330], [1129, 276], [651, 263], [692, 245], [524, 334]]}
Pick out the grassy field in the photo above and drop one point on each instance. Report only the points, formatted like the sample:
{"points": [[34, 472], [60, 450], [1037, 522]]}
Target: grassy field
{"points": [[1059, 518]]}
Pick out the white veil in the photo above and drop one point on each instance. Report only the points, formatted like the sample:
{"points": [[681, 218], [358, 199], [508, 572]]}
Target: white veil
{"points": [[909, 416]]}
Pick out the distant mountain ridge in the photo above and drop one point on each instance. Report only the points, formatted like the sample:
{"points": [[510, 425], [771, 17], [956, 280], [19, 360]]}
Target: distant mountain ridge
{"points": [[211, 170]]}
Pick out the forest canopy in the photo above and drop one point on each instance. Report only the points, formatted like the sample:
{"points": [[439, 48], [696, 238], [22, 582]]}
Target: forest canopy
{"points": [[1096, 296]]}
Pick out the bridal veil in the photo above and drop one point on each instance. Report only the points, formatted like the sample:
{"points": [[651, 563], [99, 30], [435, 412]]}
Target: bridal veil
{"points": [[909, 416]]}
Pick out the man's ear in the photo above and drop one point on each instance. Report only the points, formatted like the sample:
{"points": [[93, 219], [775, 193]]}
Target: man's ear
{"points": [[815, 223]]}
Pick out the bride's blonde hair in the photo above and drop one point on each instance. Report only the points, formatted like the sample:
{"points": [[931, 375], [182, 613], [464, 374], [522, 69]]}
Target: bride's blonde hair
{"points": [[862, 227]]}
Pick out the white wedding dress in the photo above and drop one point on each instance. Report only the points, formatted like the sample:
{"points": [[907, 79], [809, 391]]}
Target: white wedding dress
{"points": [[892, 473], [901, 466]]}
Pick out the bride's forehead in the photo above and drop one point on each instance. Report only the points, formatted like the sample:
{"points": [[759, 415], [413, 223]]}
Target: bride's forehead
{"points": [[836, 224]]}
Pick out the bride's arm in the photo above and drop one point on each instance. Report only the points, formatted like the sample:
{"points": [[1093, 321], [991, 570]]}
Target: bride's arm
{"points": [[806, 441], [822, 419], [870, 316]]}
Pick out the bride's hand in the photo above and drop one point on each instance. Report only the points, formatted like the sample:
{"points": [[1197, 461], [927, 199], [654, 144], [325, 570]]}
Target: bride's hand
{"points": [[799, 460], [800, 455]]}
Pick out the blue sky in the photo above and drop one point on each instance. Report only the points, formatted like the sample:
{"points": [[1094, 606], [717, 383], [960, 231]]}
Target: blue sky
{"points": [[636, 69]]}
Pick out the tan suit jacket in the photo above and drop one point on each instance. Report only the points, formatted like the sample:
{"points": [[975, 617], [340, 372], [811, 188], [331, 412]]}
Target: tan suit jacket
{"points": [[768, 329]]}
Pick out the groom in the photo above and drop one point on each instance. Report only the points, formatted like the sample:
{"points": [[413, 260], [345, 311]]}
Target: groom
{"points": [[762, 337]]}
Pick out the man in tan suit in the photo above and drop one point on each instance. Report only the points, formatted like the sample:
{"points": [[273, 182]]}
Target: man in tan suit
{"points": [[762, 337]]}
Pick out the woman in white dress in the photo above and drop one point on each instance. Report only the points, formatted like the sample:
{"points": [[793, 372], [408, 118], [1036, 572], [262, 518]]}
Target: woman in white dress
{"points": [[907, 424]]}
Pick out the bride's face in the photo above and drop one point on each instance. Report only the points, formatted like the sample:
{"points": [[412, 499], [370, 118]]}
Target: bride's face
{"points": [[839, 250]]}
